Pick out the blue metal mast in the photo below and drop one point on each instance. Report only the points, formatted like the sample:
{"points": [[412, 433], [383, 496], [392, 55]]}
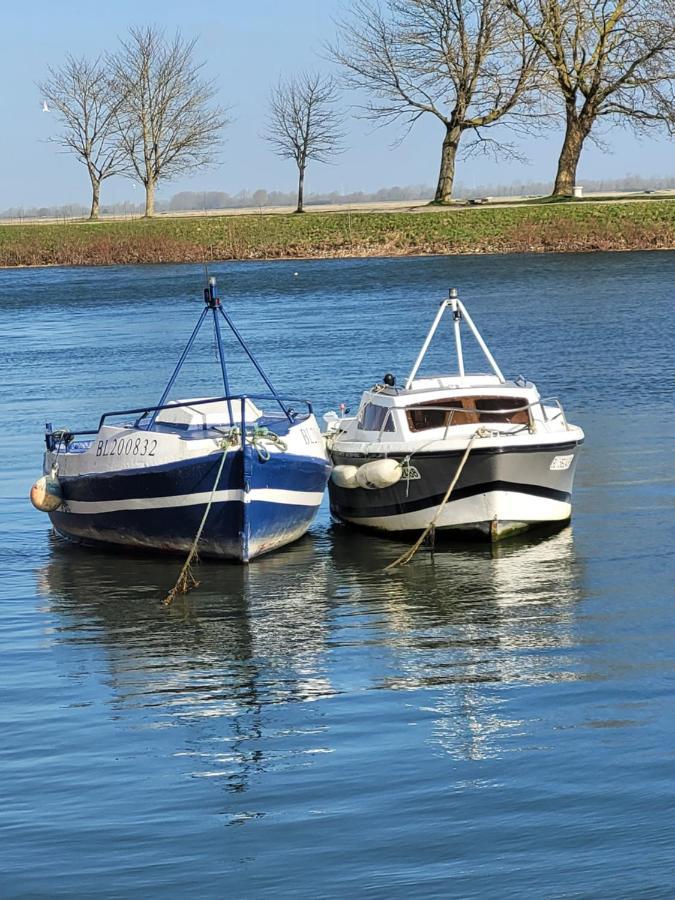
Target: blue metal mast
{"points": [[212, 302], [178, 367], [256, 364]]}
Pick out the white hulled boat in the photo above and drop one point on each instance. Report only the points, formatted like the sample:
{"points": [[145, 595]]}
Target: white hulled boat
{"points": [[396, 458]]}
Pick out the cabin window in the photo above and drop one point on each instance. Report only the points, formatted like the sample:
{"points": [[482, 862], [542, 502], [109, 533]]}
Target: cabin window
{"points": [[467, 411], [372, 417]]}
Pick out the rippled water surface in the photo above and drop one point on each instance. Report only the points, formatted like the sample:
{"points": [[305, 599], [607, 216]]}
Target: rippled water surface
{"points": [[487, 724]]}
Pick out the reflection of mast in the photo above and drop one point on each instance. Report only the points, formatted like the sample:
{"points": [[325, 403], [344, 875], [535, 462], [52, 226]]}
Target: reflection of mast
{"points": [[466, 618], [467, 725], [542, 572], [243, 642]]}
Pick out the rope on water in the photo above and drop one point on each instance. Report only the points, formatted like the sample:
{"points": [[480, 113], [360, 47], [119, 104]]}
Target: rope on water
{"points": [[258, 437], [408, 554], [186, 581]]}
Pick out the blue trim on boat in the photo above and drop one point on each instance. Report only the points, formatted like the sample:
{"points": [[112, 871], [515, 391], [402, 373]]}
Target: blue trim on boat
{"points": [[280, 425], [283, 470]]}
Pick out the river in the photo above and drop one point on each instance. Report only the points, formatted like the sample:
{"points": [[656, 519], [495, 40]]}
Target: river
{"points": [[479, 724]]}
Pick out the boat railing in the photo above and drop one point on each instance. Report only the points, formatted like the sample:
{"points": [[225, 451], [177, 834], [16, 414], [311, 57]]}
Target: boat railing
{"points": [[526, 407], [144, 411], [560, 414], [66, 436]]}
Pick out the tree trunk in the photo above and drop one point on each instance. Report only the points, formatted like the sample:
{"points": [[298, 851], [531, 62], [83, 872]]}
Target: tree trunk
{"points": [[301, 188], [576, 132], [95, 197], [446, 176], [149, 199]]}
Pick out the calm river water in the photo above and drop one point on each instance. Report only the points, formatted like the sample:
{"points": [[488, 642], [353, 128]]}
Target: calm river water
{"points": [[477, 725]]}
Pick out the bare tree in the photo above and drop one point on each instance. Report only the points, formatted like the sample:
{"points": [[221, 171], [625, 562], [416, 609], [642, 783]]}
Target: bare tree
{"points": [[611, 60], [168, 124], [81, 94], [469, 63], [303, 123]]}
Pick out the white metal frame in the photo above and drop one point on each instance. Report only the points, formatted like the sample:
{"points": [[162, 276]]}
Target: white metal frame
{"points": [[458, 312]]}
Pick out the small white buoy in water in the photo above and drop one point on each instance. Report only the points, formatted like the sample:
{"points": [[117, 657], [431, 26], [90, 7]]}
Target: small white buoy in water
{"points": [[344, 476], [45, 494], [380, 473], [295, 273]]}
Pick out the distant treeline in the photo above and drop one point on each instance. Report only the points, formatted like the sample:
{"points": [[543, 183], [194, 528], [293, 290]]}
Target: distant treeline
{"points": [[194, 201]]}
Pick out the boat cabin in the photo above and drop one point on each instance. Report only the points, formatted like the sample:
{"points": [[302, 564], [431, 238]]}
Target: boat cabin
{"points": [[433, 408]]}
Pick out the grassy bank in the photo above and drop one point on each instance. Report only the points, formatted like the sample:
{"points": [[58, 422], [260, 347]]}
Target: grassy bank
{"points": [[561, 227]]}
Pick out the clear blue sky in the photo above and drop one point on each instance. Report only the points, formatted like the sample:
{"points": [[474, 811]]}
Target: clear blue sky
{"points": [[248, 45]]}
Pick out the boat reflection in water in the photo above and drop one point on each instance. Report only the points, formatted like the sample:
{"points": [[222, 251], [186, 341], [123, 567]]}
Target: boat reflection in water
{"points": [[215, 663], [235, 662], [464, 623]]}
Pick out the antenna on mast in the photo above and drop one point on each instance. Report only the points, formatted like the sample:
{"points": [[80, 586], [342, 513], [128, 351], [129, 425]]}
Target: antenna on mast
{"points": [[453, 299]]}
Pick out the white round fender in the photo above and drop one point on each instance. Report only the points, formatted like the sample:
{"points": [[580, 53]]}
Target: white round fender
{"points": [[344, 476], [380, 473], [45, 494]]}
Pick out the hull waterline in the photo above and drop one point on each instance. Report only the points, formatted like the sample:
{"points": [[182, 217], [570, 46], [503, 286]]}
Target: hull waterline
{"points": [[500, 492]]}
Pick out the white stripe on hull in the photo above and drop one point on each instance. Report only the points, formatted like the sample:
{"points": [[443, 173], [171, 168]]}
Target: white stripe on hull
{"points": [[263, 495], [475, 512]]}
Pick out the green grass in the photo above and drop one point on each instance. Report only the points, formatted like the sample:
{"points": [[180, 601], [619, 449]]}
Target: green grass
{"points": [[569, 226]]}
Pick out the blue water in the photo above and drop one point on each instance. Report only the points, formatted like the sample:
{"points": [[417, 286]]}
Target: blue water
{"points": [[480, 724]]}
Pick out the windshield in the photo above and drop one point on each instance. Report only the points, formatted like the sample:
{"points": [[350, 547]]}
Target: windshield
{"points": [[467, 411]]}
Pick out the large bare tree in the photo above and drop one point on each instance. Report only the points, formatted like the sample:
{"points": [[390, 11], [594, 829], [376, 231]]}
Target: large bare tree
{"points": [[469, 63], [168, 123], [610, 60], [81, 95], [303, 123]]}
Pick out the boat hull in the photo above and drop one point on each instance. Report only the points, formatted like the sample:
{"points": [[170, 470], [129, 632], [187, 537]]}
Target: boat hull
{"points": [[501, 491], [257, 506]]}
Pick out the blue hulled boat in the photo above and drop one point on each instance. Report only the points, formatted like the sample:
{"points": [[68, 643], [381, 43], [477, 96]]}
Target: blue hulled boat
{"points": [[248, 470]]}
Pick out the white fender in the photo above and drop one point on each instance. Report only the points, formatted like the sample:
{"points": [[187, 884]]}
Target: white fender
{"points": [[380, 473], [344, 476], [45, 494]]}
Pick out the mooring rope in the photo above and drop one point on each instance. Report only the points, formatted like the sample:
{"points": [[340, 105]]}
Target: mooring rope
{"points": [[186, 581], [408, 554], [259, 436]]}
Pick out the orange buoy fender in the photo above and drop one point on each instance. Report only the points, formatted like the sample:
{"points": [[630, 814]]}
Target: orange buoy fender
{"points": [[45, 494]]}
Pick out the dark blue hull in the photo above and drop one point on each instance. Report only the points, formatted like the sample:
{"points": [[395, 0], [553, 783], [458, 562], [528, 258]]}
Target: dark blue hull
{"points": [[257, 505]]}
